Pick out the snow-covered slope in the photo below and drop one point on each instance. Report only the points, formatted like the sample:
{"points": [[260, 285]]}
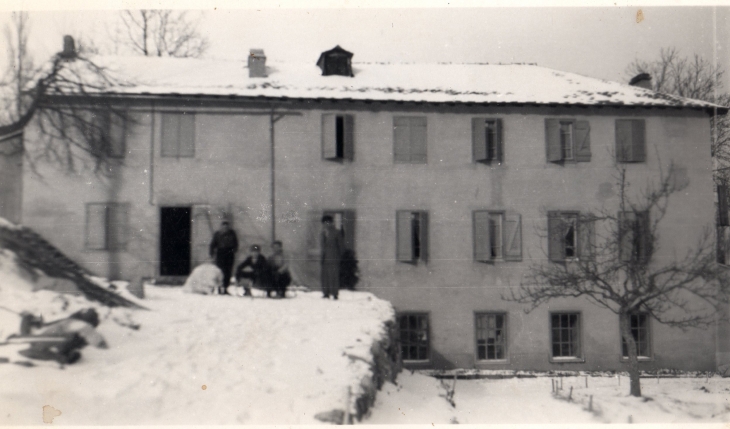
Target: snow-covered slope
{"points": [[450, 83], [210, 360]]}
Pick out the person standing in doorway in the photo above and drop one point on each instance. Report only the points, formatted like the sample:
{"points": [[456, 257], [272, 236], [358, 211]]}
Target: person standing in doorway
{"points": [[332, 248], [224, 247]]}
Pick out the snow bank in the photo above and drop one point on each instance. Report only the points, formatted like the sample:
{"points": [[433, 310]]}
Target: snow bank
{"points": [[214, 360]]}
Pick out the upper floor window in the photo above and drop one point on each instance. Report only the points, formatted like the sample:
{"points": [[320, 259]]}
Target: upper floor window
{"points": [[570, 236], [409, 139], [487, 144], [567, 140], [634, 235], [337, 137], [178, 135], [107, 226], [630, 140], [497, 236], [412, 236], [110, 129]]}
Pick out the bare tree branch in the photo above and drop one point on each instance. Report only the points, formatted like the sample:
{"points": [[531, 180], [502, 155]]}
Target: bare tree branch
{"points": [[162, 33]]}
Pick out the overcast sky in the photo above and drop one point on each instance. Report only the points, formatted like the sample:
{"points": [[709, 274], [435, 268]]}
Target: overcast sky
{"points": [[595, 41]]}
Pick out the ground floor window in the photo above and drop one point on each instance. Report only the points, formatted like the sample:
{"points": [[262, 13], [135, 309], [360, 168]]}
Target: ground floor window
{"points": [[490, 330], [640, 330], [414, 336], [565, 335]]}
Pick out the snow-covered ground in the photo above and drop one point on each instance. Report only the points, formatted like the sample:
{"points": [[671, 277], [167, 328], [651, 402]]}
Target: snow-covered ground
{"points": [[420, 399], [200, 360]]}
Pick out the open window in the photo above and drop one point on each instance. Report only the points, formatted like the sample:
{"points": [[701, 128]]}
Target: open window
{"points": [[338, 137], [567, 140], [487, 144], [412, 236], [571, 236], [497, 236]]}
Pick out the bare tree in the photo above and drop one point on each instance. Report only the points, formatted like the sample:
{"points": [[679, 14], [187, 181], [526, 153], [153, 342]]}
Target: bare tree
{"points": [[617, 271], [161, 33], [691, 77], [75, 123]]}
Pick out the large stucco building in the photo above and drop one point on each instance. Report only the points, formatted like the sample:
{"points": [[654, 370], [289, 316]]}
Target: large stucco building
{"points": [[443, 178]]}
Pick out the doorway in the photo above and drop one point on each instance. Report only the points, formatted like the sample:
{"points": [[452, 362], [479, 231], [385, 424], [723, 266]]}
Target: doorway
{"points": [[175, 241]]}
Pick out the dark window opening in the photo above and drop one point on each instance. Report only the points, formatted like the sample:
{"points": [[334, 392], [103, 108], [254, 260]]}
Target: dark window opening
{"points": [[491, 140], [340, 136], [570, 247], [416, 234], [414, 338]]}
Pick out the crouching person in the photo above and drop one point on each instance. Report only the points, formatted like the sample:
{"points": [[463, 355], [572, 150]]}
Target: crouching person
{"points": [[60, 340], [254, 270]]}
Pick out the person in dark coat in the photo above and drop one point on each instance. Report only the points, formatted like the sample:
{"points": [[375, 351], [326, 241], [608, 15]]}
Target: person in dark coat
{"points": [[332, 248], [224, 247], [255, 269], [280, 276]]}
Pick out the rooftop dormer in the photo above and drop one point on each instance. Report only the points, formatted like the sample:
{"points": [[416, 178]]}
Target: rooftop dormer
{"points": [[336, 61]]}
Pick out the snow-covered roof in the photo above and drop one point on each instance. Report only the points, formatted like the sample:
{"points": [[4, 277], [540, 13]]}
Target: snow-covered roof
{"points": [[429, 83]]}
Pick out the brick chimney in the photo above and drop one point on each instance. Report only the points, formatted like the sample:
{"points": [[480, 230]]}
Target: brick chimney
{"points": [[69, 47], [256, 63], [642, 80]]}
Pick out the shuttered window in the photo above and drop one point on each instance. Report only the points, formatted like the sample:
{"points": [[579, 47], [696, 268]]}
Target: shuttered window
{"points": [[110, 129], [409, 139], [722, 205], [497, 236], [178, 135], [634, 236], [630, 140], [567, 140], [107, 226], [570, 236], [411, 236], [487, 146], [338, 135]]}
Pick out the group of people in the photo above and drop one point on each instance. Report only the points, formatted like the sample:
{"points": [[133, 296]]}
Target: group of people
{"points": [[272, 274]]}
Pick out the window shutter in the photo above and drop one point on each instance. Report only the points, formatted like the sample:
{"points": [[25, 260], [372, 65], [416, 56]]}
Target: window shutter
{"points": [[556, 248], [586, 237], [117, 136], [404, 241], [349, 134], [96, 221], [401, 139], [552, 140], [479, 140], [329, 136], [481, 236], [500, 144], [644, 231], [187, 135], [623, 140], [582, 141], [170, 134], [424, 236], [722, 205], [118, 226], [626, 222], [348, 228], [314, 232], [419, 141], [512, 237], [638, 143]]}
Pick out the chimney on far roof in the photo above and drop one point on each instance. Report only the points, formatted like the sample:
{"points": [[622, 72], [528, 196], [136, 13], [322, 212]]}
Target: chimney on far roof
{"points": [[256, 63], [642, 80], [69, 47]]}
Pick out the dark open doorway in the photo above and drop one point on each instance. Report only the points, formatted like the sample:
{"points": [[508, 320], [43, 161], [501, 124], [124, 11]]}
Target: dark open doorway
{"points": [[175, 241]]}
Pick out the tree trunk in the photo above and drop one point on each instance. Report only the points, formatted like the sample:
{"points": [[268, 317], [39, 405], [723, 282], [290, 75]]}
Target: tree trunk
{"points": [[625, 321]]}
